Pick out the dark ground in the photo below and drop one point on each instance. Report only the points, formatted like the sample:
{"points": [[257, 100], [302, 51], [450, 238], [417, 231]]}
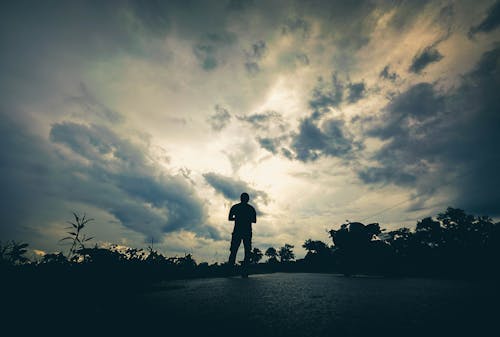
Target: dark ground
{"points": [[281, 304]]}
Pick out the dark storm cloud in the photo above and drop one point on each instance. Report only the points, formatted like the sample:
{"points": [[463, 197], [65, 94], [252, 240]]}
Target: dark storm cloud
{"points": [[90, 105], [94, 142], [253, 56], [352, 18], [272, 144], [110, 173], [388, 75], [309, 142], [406, 13], [258, 50], [252, 67], [105, 28], [264, 120], [407, 119], [318, 135], [122, 167], [208, 50], [29, 175], [490, 22], [450, 137], [356, 92], [331, 94], [297, 25], [332, 139], [423, 58], [287, 153], [349, 25], [327, 94], [206, 56], [238, 5], [232, 188], [394, 174], [303, 59], [220, 119], [420, 103], [31, 30]]}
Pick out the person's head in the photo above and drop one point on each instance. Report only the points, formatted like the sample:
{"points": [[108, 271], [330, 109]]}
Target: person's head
{"points": [[244, 197]]}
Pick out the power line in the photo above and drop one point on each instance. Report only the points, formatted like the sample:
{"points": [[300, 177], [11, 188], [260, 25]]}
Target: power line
{"points": [[387, 209], [421, 194]]}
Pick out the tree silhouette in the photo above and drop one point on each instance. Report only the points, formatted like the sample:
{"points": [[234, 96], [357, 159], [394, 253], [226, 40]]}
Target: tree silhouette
{"points": [[286, 253], [272, 254], [256, 255], [429, 233], [355, 247], [54, 259], [354, 234], [186, 261], [13, 253], [400, 240], [453, 244], [315, 246]]}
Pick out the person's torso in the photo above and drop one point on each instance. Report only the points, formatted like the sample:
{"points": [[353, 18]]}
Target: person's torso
{"points": [[244, 216]]}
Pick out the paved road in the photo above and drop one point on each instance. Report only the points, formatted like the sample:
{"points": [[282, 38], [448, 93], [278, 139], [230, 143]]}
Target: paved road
{"points": [[319, 305]]}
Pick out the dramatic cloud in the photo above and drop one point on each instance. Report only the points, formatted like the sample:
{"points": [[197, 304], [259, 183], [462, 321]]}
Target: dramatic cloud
{"points": [[332, 110], [318, 136], [254, 55], [264, 121], [150, 203], [302, 58], [240, 154], [427, 56], [298, 26], [90, 105], [327, 94], [108, 172], [232, 188], [388, 75], [31, 178], [409, 111], [407, 13], [490, 22], [209, 51], [405, 126], [356, 92], [331, 139], [439, 137], [271, 144], [220, 119]]}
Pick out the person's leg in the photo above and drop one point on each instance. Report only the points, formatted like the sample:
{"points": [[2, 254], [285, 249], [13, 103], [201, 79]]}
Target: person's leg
{"points": [[235, 244], [247, 244]]}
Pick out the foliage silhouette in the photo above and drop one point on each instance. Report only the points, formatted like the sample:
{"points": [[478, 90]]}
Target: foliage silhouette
{"points": [[75, 235], [286, 253], [13, 253], [453, 244], [96, 283], [272, 255], [256, 255]]}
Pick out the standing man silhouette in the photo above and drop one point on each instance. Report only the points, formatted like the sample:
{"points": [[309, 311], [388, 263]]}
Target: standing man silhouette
{"points": [[243, 216]]}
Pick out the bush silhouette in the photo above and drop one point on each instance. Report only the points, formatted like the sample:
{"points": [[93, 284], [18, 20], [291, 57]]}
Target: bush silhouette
{"points": [[452, 244]]}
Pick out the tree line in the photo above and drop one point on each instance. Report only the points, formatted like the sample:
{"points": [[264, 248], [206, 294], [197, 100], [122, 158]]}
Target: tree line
{"points": [[452, 244]]}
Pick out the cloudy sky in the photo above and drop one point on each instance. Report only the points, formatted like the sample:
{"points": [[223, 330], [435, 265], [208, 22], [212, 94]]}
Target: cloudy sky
{"points": [[153, 116]]}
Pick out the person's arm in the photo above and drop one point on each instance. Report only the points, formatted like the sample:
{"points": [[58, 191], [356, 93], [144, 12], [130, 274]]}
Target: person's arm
{"points": [[232, 214], [254, 220]]}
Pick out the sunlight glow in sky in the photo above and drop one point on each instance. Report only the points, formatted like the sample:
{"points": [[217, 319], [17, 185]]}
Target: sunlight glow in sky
{"points": [[153, 117]]}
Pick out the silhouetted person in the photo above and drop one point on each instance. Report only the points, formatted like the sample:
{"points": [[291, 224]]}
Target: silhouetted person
{"points": [[243, 216]]}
